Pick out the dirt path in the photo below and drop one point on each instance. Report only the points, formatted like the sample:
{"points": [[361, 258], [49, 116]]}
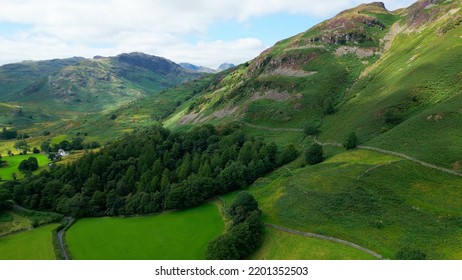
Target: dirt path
{"points": [[273, 129], [378, 150], [396, 154], [426, 164], [333, 239], [62, 245]]}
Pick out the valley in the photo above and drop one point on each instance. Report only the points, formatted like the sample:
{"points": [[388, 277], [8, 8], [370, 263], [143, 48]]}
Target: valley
{"points": [[183, 142]]}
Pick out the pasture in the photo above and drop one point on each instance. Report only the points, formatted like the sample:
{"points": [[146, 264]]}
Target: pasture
{"points": [[12, 163], [181, 235], [279, 245], [33, 244], [376, 201]]}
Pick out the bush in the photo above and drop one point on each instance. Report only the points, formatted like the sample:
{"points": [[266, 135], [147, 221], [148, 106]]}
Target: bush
{"points": [[328, 106], [35, 150], [311, 130], [351, 142], [222, 248], [288, 154], [314, 154], [407, 253]]}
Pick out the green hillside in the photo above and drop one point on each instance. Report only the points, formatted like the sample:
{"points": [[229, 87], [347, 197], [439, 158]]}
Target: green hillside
{"points": [[55, 95], [391, 78], [394, 78]]}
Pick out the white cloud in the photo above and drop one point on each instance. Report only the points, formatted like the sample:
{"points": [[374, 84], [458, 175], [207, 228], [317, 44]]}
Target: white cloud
{"points": [[106, 27], [214, 53]]}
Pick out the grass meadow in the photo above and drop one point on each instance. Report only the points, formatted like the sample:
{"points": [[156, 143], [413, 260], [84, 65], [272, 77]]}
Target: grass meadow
{"points": [[33, 244], [279, 245], [12, 163], [181, 235], [377, 201]]}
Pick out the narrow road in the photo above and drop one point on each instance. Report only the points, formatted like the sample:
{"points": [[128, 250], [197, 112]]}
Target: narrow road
{"points": [[333, 239], [62, 245], [378, 150]]}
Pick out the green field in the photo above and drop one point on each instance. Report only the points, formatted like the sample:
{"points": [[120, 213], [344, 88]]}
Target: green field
{"points": [[35, 244], [12, 163], [279, 245], [169, 236], [11, 222], [377, 201]]}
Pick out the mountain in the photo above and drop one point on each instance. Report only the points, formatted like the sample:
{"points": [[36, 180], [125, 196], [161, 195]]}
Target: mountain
{"points": [[389, 82], [390, 79], [368, 70], [16, 77], [200, 69], [225, 66], [89, 85]]}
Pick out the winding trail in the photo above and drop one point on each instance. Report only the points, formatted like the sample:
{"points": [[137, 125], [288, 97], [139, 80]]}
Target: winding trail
{"points": [[314, 235], [378, 150], [273, 129], [329, 238], [62, 245]]}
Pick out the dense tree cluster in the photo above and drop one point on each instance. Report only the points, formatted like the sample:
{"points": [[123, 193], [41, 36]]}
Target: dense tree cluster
{"points": [[245, 235], [152, 170], [77, 143], [8, 134], [28, 165], [5, 196]]}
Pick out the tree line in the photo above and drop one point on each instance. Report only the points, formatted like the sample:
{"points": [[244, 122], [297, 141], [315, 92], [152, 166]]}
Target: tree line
{"points": [[245, 234], [152, 170]]}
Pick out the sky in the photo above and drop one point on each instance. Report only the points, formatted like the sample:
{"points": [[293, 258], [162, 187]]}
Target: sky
{"points": [[202, 32]]}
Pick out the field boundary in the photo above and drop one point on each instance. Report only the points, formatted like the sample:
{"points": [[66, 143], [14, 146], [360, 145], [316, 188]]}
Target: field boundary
{"points": [[328, 238], [374, 149]]}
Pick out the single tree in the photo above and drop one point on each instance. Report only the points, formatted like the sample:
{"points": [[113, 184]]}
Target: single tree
{"points": [[21, 145], [351, 141], [311, 130], [314, 154]]}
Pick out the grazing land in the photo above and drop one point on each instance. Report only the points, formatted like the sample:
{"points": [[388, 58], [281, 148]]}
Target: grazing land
{"points": [[280, 245], [34, 244], [181, 235], [12, 163], [380, 202]]}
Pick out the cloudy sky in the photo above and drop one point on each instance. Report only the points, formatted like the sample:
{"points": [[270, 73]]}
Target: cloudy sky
{"points": [[202, 32]]}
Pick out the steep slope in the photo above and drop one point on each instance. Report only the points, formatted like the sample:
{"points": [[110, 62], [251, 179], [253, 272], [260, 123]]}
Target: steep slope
{"points": [[410, 100], [281, 87], [394, 78], [389, 76]]}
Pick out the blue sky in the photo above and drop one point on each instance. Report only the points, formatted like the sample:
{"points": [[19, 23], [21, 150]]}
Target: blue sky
{"points": [[203, 32]]}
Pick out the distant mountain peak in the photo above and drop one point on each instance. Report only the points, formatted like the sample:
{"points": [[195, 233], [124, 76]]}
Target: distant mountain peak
{"points": [[202, 69], [225, 66]]}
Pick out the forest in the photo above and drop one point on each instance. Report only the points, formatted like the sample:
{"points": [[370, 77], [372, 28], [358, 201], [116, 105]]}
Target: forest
{"points": [[152, 170]]}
